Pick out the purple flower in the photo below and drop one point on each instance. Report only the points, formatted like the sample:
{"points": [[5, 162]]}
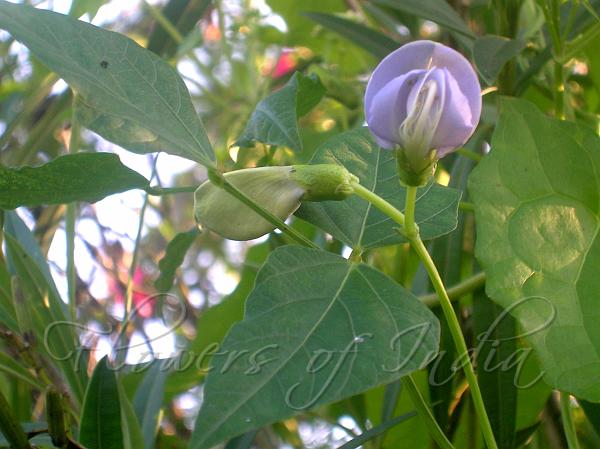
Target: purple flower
{"points": [[423, 97]]}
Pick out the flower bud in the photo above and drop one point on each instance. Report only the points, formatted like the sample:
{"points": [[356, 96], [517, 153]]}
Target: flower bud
{"points": [[423, 100], [277, 189]]}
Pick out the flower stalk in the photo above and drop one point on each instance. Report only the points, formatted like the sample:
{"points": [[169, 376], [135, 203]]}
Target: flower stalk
{"points": [[411, 231], [412, 234]]}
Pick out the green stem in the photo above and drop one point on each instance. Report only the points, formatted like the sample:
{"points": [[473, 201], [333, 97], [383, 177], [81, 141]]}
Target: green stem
{"points": [[410, 226], [559, 90], [29, 106], [567, 419], [425, 413], [379, 203], [418, 400], [407, 221], [551, 12], [10, 427], [159, 191], [412, 233], [466, 206], [120, 342], [469, 154], [219, 180], [70, 223], [171, 30], [458, 291]]}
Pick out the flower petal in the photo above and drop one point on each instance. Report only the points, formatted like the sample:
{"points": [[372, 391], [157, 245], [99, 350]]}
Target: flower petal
{"points": [[456, 124], [453, 73], [388, 108]]}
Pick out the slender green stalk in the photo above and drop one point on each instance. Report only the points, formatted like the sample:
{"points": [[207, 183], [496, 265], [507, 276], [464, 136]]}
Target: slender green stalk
{"points": [[551, 10], [425, 413], [120, 342], [10, 427], [28, 106], [226, 50], [567, 420], [466, 206], [70, 223], [159, 191], [157, 14], [559, 90], [174, 34], [412, 233], [410, 226], [379, 203], [470, 154], [418, 400], [407, 221], [458, 291]]}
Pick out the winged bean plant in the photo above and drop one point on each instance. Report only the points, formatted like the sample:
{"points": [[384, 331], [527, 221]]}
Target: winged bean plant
{"points": [[317, 224]]}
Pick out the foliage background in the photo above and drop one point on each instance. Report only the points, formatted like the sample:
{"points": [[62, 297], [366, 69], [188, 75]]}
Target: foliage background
{"points": [[231, 55]]}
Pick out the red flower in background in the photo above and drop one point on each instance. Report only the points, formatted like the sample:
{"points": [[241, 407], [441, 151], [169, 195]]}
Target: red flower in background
{"points": [[143, 300], [285, 64]]}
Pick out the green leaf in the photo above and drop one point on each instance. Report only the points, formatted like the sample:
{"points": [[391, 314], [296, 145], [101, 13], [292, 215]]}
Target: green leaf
{"points": [[40, 309], [183, 14], [496, 372], [7, 309], [414, 433], [214, 323], [40, 440], [354, 221], [523, 435], [492, 52], [317, 329], [132, 432], [126, 93], [15, 368], [438, 11], [245, 441], [275, 118], [74, 177], [376, 431], [299, 27], [371, 40], [173, 258], [537, 208], [100, 425], [148, 401], [592, 413], [81, 7]]}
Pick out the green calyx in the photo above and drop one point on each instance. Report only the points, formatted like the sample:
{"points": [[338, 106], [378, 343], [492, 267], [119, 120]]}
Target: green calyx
{"points": [[415, 172], [324, 182]]}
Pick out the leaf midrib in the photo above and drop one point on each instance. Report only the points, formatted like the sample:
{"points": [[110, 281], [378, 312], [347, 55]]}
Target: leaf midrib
{"points": [[267, 379]]}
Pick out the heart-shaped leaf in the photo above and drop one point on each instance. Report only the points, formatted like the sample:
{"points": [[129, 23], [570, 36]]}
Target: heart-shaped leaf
{"points": [[317, 328], [537, 200]]}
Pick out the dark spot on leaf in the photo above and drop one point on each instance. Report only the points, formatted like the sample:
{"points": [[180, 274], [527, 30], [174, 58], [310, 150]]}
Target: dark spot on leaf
{"points": [[104, 64]]}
